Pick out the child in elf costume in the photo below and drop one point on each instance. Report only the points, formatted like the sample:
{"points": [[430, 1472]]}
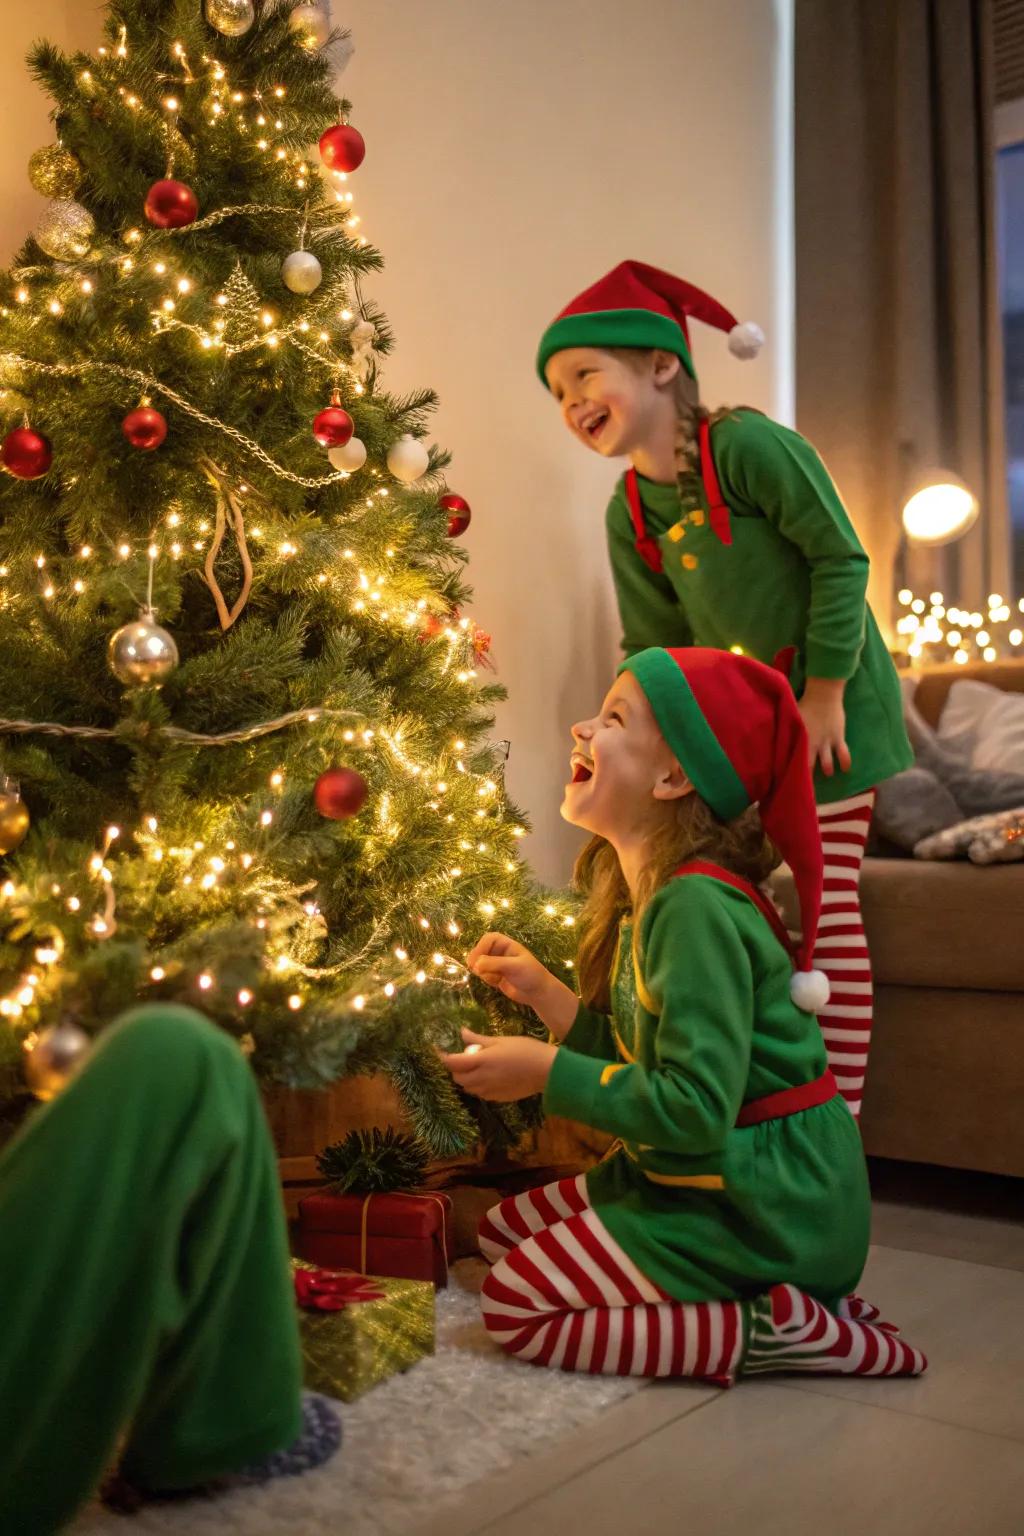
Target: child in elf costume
{"points": [[144, 1277], [727, 531], [725, 1234]]}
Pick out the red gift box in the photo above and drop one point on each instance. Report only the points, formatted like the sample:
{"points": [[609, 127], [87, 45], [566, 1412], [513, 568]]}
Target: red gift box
{"points": [[407, 1237]]}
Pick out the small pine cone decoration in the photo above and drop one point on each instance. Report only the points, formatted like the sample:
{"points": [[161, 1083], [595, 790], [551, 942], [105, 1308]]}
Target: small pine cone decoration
{"points": [[374, 1162]]}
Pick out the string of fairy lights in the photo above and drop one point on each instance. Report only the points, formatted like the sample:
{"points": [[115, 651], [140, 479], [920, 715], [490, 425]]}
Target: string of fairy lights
{"points": [[240, 857], [932, 631]]}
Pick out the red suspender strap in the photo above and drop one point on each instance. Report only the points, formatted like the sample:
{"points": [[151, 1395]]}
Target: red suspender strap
{"points": [[646, 547], [788, 1101], [717, 510]]}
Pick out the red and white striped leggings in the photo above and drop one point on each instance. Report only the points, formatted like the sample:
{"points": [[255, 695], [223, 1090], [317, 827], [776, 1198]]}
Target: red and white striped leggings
{"points": [[562, 1292], [842, 951]]}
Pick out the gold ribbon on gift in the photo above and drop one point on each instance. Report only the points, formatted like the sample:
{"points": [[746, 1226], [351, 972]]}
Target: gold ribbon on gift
{"points": [[423, 1195]]}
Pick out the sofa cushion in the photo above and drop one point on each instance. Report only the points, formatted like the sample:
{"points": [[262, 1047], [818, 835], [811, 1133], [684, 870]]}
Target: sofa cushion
{"points": [[984, 726], [938, 925]]}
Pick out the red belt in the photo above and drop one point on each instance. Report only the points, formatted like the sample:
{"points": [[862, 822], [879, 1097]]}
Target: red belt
{"points": [[789, 1101]]}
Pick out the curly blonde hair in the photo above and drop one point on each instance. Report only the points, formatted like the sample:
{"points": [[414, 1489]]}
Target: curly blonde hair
{"points": [[691, 830]]}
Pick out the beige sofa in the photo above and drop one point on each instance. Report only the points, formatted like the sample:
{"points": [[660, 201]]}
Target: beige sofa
{"points": [[946, 1075]]}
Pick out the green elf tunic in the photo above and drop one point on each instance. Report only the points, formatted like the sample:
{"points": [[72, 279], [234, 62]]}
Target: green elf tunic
{"points": [[700, 1026], [794, 575]]}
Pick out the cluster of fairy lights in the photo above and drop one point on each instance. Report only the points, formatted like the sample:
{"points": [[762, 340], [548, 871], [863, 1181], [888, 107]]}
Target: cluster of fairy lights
{"points": [[932, 631], [188, 539], [197, 868], [223, 103]]}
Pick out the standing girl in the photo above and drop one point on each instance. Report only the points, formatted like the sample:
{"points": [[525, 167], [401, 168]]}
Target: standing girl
{"points": [[724, 1235], [727, 531]]}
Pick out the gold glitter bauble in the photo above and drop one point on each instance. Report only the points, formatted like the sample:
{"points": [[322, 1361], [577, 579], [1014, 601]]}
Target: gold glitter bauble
{"points": [[231, 18], [54, 171], [14, 821], [55, 1056], [65, 230]]}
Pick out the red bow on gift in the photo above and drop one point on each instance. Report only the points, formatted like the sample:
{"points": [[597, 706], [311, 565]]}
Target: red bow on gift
{"points": [[326, 1290]]}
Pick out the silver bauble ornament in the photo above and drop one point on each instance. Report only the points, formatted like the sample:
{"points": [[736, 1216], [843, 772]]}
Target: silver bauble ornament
{"points": [[54, 171], [301, 272], [142, 653], [348, 456], [55, 1056], [312, 25], [408, 459], [65, 230], [14, 817], [231, 18]]}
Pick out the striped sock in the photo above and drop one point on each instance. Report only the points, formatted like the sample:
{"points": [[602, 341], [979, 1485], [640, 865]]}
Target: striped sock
{"points": [[856, 1310], [841, 950], [790, 1331]]}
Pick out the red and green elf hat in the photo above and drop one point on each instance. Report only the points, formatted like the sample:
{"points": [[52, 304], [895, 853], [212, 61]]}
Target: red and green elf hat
{"points": [[734, 726], [635, 305]]}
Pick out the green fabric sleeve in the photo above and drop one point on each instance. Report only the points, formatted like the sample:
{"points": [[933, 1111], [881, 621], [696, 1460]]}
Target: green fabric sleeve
{"points": [[649, 608], [698, 971], [591, 1034], [764, 466]]}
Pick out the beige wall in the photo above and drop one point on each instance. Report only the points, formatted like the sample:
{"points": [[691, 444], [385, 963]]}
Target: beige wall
{"points": [[516, 151]]}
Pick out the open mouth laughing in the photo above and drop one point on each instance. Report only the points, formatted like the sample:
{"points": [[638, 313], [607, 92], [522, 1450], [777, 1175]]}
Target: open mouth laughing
{"points": [[582, 768], [593, 425]]}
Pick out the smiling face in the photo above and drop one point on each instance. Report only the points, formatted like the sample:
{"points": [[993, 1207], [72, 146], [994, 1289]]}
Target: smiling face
{"points": [[611, 404], [622, 770]]}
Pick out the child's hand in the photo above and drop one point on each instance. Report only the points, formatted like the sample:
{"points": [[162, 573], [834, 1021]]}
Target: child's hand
{"points": [[502, 1068], [511, 969], [825, 719]]}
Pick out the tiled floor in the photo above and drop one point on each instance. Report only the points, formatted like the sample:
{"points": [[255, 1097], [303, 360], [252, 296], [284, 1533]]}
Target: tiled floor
{"points": [[942, 1456]]}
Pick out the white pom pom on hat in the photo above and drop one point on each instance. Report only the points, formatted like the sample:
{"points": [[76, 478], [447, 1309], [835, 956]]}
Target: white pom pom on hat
{"points": [[809, 990], [746, 340]]}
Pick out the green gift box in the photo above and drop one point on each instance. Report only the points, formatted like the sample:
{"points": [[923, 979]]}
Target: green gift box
{"points": [[357, 1330]]}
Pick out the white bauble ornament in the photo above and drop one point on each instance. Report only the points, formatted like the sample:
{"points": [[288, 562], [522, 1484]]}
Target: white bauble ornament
{"points": [[301, 272], [55, 1057], [809, 990], [142, 653], [312, 25], [407, 459], [231, 18], [349, 456], [65, 230]]}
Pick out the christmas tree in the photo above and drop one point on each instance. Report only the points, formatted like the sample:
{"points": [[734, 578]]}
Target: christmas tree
{"points": [[244, 740]]}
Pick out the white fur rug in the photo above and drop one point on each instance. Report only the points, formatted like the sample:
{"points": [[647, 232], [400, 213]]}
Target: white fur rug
{"points": [[409, 1444]]}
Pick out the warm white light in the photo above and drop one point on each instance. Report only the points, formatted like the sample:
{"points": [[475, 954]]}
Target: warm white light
{"points": [[295, 1002], [940, 510], [206, 981], [245, 997], [157, 973]]}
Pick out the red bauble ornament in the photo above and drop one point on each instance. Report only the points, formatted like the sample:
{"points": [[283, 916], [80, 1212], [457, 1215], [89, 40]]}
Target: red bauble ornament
{"points": [[340, 793], [27, 454], [342, 148], [333, 427], [171, 204], [459, 514], [144, 428]]}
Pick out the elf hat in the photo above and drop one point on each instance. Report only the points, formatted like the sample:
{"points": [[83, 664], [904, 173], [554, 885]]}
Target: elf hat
{"points": [[734, 726], [635, 305]]}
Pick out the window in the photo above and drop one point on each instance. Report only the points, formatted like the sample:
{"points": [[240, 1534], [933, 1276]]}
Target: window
{"points": [[1010, 205]]}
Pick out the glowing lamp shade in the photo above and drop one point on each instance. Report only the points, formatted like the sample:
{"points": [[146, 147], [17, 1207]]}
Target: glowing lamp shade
{"points": [[940, 509]]}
